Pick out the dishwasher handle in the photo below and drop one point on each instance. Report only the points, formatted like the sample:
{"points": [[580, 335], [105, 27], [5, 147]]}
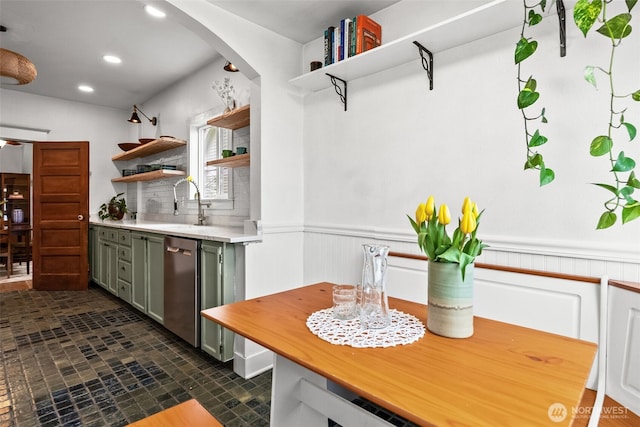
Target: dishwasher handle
{"points": [[176, 250]]}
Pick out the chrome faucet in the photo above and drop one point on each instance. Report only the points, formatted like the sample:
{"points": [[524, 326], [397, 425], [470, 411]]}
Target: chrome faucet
{"points": [[201, 217]]}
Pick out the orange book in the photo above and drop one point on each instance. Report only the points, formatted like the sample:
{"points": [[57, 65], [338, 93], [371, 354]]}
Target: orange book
{"points": [[368, 34]]}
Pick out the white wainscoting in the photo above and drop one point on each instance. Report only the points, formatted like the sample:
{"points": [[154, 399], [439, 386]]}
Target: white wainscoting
{"points": [[623, 363]]}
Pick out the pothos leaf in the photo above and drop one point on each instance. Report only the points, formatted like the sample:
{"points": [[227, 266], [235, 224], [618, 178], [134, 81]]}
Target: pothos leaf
{"points": [[524, 49], [543, 4], [636, 95], [631, 129], [601, 145], [531, 84], [534, 161], [585, 14], [617, 27], [526, 98], [606, 220], [623, 163], [537, 139], [546, 176], [630, 212], [626, 192], [534, 18], [611, 188], [589, 75], [630, 4], [633, 181]]}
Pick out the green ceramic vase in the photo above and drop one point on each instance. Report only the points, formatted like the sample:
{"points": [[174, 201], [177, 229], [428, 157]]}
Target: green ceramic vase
{"points": [[450, 300]]}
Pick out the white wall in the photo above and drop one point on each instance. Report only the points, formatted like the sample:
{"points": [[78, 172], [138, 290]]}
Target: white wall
{"points": [[103, 127], [399, 142], [175, 108]]}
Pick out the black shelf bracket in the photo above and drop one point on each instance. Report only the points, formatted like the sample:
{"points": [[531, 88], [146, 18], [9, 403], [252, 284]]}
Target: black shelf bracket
{"points": [[338, 89], [563, 28], [427, 64]]}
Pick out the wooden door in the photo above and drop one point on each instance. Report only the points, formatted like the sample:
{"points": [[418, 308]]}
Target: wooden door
{"points": [[60, 215]]}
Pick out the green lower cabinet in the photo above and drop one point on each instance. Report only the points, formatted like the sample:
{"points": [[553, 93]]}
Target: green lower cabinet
{"points": [[94, 251], [147, 274], [217, 283], [108, 275]]}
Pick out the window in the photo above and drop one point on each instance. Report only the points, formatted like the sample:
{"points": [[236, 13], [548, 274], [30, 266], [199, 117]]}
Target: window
{"points": [[207, 143]]}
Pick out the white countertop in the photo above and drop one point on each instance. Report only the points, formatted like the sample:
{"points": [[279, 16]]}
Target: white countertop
{"points": [[226, 234]]}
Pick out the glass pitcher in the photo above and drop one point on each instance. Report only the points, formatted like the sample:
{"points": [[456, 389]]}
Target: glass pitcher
{"points": [[374, 306]]}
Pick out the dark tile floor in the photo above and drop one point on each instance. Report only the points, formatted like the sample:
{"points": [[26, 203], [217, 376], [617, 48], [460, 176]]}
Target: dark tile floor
{"points": [[89, 359]]}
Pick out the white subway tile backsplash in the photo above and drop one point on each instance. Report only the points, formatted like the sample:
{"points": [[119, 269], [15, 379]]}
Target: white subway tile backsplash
{"points": [[153, 200]]}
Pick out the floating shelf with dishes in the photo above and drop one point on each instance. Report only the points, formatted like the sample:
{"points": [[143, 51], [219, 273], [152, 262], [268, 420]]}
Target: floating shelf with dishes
{"points": [[150, 176], [237, 161], [153, 147], [146, 149]]}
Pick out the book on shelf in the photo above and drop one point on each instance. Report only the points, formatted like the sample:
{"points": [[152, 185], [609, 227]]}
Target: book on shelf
{"points": [[350, 37], [328, 45], [368, 34]]}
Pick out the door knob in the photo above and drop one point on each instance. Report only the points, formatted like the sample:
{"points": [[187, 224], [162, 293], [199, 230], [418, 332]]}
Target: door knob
{"points": [[80, 217]]}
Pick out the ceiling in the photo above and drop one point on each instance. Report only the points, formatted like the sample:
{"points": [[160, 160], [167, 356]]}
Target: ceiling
{"points": [[66, 40]]}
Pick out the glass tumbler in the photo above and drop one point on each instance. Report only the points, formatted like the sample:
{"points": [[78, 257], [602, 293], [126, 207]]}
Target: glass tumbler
{"points": [[344, 302]]}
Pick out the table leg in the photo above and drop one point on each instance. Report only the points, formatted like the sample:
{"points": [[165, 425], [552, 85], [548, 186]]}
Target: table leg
{"points": [[300, 397]]}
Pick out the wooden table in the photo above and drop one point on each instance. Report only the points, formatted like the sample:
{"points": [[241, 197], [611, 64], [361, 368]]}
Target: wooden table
{"points": [[186, 414], [504, 375]]}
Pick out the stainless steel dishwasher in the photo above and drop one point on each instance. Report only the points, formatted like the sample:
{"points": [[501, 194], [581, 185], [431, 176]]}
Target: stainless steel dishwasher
{"points": [[182, 288]]}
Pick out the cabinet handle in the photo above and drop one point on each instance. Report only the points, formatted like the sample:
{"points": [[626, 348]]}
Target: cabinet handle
{"points": [[80, 217]]}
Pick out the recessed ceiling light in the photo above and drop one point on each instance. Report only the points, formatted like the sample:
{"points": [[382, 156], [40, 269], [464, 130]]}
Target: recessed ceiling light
{"points": [[111, 59], [156, 13], [85, 88]]}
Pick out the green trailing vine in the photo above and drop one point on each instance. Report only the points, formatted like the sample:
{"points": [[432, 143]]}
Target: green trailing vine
{"points": [[528, 95], [622, 168]]}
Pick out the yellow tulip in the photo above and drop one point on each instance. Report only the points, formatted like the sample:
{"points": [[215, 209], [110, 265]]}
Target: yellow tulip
{"points": [[444, 216], [475, 210], [466, 204], [431, 206], [421, 214], [468, 222], [190, 178]]}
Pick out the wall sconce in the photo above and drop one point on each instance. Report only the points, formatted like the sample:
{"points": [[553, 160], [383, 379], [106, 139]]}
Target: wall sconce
{"points": [[230, 67], [135, 119]]}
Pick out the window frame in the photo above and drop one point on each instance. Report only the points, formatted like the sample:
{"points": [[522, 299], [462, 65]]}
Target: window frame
{"points": [[197, 159]]}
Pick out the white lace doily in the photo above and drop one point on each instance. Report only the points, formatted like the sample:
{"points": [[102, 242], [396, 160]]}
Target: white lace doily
{"points": [[403, 329]]}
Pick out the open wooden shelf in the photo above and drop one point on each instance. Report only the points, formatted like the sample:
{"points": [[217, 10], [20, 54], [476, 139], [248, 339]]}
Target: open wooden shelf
{"points": [[238, 161], [153, 147], [150, 176], [234, 119], [483, 21]]}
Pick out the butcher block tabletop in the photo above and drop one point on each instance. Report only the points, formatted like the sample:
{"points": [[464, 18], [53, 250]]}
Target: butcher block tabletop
{"points": [[504, 375]]}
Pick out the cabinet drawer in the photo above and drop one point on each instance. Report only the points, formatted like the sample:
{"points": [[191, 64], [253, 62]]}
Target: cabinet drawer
{"points": [[112, 235], [124, 270], [124, 291], [124, 253], [124, 238]]}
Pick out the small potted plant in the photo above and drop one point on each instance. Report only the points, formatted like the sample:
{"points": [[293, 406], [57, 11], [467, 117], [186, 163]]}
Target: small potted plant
{"points": [[115, 209]]}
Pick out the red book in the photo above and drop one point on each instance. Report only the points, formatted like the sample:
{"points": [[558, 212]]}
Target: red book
{"points": [[368, 34]]}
